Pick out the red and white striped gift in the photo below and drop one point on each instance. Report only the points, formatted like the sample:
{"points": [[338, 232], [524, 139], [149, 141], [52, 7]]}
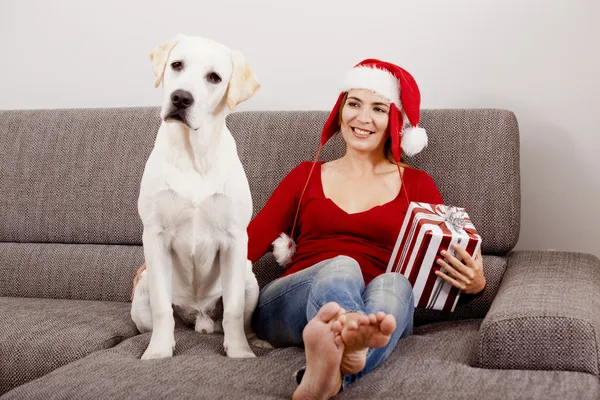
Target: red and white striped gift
{"points": [[427, 229]]}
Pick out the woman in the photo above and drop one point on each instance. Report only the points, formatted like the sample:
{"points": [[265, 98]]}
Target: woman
{"points": [[335, 298]]}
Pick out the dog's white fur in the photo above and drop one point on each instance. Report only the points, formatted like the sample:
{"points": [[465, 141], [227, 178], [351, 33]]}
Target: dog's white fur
{"points": [[195, 203]]}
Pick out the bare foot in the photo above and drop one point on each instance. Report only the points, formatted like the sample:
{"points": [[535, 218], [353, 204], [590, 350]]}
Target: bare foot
{"points": [[361, 332], [324, 348]]}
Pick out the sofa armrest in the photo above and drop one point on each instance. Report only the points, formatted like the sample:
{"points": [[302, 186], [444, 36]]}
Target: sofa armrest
{"points": [[546, 315]]}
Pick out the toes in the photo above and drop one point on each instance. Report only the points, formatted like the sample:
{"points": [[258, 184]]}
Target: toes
{"points": [[388, 325], [352, 325], [336, 327], [373, 319], [380, 316], [339, 342], [364, 320], [328, 311]]}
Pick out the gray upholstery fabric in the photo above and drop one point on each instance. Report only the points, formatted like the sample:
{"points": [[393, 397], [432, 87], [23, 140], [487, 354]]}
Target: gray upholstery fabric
{"points": [[266, 269], [105, 272], [433, 363], [470, 306], [73, 176], [70, 180], [68, 271], [40, 335], [437, 363], [546, 314], [471, 154]]}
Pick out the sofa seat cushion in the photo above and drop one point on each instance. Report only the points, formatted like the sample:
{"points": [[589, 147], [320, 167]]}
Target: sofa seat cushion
{"points": [[438, 362], [433, 363], [40, 335]]}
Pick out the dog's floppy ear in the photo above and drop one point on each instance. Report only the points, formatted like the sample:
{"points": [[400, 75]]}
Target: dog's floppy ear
{"points": [[160, 56], [243, 84]]}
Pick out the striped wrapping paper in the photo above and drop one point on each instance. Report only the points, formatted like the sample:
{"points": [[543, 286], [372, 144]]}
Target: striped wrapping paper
{"points": [[427, 229]]}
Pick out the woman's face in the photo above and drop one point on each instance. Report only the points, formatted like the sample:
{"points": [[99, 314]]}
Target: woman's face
{"points": [[365, 118]]}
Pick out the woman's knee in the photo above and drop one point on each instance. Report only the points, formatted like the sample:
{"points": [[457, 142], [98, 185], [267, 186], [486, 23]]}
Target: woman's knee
{"points": [[393, 283], [337, 280], [341, 265], [341, 268]]}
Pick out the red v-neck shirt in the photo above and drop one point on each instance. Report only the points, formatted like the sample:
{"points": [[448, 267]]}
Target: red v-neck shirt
{"points": [[325, 231]]}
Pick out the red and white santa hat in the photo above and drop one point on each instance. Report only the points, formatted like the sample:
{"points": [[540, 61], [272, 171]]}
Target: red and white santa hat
{"points": [[394, 84]]}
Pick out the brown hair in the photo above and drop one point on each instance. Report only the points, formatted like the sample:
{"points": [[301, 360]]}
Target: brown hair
{"points": [[387, 146]]}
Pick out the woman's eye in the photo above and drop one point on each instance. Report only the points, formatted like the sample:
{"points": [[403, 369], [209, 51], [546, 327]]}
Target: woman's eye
{"points": [[177, 65], [353, 104], [379, 110]]}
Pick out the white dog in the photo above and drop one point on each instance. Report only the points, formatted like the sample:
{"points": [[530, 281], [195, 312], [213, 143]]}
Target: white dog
{"points": [[195, 201]]}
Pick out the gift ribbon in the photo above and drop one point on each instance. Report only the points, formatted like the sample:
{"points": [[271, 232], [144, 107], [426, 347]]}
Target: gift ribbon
{"points": [[453, 215]]}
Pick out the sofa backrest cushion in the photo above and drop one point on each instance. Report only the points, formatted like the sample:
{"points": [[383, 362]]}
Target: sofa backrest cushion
{"points": [[73, 175]]}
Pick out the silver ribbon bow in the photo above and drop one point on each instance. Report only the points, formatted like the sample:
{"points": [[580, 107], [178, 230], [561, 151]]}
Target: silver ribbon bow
{"points": [[454, 216]]}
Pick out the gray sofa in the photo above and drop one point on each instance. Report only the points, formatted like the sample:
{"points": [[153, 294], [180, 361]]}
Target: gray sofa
{"points": [[70, 242]]}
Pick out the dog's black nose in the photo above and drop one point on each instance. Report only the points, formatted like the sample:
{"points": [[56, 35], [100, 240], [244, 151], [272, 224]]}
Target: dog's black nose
{"points": [[182, 99]]}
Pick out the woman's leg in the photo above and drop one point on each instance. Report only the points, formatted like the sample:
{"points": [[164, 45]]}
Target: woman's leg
{"points": [[340, 282], [324, 349], [287, 304], [392, 294]]}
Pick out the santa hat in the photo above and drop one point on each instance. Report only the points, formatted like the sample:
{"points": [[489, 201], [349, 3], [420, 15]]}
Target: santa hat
{"points": [[396, 85]]}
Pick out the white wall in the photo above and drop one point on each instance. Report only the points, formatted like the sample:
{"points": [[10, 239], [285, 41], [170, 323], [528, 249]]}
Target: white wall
{"points": [[539, 58]]}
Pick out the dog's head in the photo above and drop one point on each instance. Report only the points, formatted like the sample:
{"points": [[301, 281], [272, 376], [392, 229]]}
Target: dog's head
{"points": [[200, 79]]}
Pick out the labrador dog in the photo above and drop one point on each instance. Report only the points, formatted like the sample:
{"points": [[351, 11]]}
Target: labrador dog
{"points": [[195, 202]]}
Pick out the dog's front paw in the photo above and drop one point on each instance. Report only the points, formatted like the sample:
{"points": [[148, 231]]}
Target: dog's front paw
{"points": [[156, 353], [159, 349], [238, 350]]}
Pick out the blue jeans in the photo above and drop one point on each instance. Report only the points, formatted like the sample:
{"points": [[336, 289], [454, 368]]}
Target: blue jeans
{"points": [[285, 305]]}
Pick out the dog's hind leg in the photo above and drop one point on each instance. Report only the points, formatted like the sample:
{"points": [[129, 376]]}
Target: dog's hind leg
{"points": [[204, 323], [251, 299], [141, 314], [207, 318]]}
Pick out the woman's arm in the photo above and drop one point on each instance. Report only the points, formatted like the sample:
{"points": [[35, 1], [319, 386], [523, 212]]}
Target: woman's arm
{"points": [[278, 213]]}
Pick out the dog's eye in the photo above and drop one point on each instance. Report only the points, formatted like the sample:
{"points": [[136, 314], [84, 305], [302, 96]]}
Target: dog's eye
{"points": [[213, 77], [177, 65]]}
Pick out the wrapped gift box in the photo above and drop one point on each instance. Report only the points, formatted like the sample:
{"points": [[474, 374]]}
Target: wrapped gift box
{"points": [[428, 229]]}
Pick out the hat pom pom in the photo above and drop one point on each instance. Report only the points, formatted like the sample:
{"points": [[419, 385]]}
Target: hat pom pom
{"points": [[413, 140], [283, 249]]}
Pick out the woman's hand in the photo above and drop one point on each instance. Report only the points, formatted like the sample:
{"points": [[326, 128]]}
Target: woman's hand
{"points": [[136, 279], [462, 271]]}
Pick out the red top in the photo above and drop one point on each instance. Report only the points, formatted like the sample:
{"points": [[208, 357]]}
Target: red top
{"points": [[325, 231]]}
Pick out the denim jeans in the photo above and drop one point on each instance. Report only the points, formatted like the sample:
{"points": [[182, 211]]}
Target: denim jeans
{"points": [[285, 305]]}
